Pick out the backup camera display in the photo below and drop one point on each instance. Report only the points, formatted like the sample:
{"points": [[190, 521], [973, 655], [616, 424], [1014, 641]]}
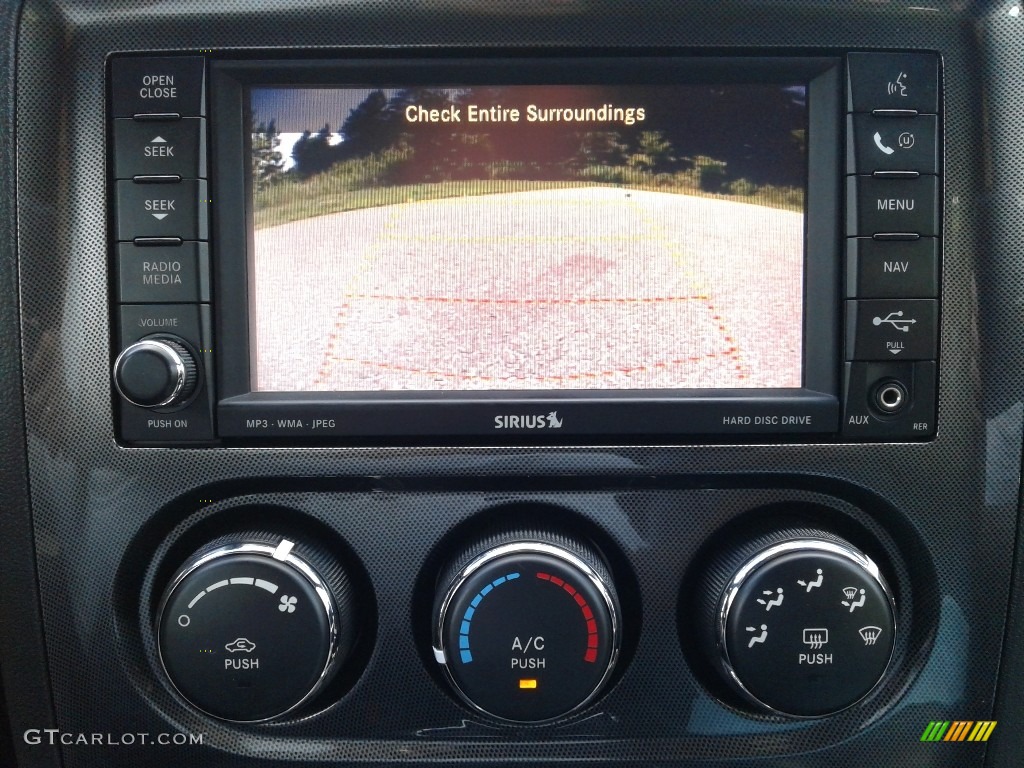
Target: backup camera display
{"points": [[527, 237]]}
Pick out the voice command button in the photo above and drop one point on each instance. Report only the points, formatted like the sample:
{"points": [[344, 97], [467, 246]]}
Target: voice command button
{"points": [[901, 81]]}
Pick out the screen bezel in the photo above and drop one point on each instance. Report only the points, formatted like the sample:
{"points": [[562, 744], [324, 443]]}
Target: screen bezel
{"points": [[597, 414]]}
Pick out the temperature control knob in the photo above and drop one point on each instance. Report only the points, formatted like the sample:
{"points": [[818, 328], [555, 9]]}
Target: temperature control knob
{"points": [[254, 625], [799, 622], [527, 626], [156, 372]]}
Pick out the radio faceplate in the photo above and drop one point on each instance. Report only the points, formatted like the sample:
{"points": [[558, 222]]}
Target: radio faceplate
{"points": [[476, 284], [101, 508]]}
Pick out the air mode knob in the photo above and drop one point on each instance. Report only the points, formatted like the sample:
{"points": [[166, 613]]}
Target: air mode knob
{"points": [[527, 625], [799, 622], [156, 372], [254, 625]]}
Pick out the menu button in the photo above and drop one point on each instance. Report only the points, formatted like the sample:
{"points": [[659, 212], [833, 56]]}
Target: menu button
{"points": [[879, 205]]}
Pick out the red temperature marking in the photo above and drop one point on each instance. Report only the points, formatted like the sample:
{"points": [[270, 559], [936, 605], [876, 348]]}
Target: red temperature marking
{"points": [[588, 615]]}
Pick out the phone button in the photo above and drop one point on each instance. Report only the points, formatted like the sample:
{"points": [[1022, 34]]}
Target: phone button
{"points": [[891, 144]]}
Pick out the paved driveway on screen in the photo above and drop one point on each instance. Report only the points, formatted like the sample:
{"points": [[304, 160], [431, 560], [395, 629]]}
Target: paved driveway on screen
{"points": [[593, 287]]}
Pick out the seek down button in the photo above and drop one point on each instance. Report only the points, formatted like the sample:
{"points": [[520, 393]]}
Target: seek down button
{"points": [[162, 210]]}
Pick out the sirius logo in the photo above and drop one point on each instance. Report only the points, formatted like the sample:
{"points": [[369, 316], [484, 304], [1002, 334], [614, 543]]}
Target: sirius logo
{"points": [[531, 421]]}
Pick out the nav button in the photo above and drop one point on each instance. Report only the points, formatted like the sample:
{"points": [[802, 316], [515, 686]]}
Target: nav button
{"points": [[878, 269], [892, 329]]}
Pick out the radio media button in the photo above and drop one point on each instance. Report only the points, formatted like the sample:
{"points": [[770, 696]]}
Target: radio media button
{"points": [[879, 269], [167, 84], [175, 148], [891, 144], [905, 81], [162, 210], [154, 275], [877, 206], [892, 329]]}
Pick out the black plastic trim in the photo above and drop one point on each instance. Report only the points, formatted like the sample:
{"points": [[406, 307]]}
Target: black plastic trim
{"points": [[26, 686]]}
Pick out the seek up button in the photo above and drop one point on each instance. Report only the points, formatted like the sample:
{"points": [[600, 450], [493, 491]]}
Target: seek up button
{"points": [[173, 148]]}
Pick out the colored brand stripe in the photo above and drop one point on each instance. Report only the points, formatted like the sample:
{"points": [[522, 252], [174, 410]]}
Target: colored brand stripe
{"points": [[982, 730], [935, 731], [958, 730]]}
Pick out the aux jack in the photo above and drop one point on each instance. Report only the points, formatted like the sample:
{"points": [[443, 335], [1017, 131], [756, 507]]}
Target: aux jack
{"points": [[890, 397]]}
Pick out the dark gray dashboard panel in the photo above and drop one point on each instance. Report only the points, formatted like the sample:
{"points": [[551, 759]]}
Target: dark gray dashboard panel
{"points": [[103, 514], [1000, 46], [22, 657]]}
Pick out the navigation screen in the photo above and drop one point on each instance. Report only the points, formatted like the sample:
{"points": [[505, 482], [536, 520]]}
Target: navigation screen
{"points": [[527, 237]]}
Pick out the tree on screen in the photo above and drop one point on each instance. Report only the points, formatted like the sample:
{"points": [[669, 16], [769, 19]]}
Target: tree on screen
{"points": [[369, 127], [314, 153], [267, 160]]}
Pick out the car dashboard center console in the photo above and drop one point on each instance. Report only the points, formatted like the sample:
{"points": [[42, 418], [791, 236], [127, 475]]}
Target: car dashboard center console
{"points": [[463, 383]]}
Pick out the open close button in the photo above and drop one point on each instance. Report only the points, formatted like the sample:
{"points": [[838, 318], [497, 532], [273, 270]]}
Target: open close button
{"points": [[158, 84]]}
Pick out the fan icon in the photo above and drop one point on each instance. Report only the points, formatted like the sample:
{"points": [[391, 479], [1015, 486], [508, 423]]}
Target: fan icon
{"points": [[287, 604]]}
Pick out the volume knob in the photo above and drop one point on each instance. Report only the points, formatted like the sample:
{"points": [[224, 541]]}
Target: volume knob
{"points": [[157, 372]]}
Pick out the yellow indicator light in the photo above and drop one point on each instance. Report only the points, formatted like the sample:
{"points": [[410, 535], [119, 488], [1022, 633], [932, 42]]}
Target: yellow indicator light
{"points": [[526, 683]]}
